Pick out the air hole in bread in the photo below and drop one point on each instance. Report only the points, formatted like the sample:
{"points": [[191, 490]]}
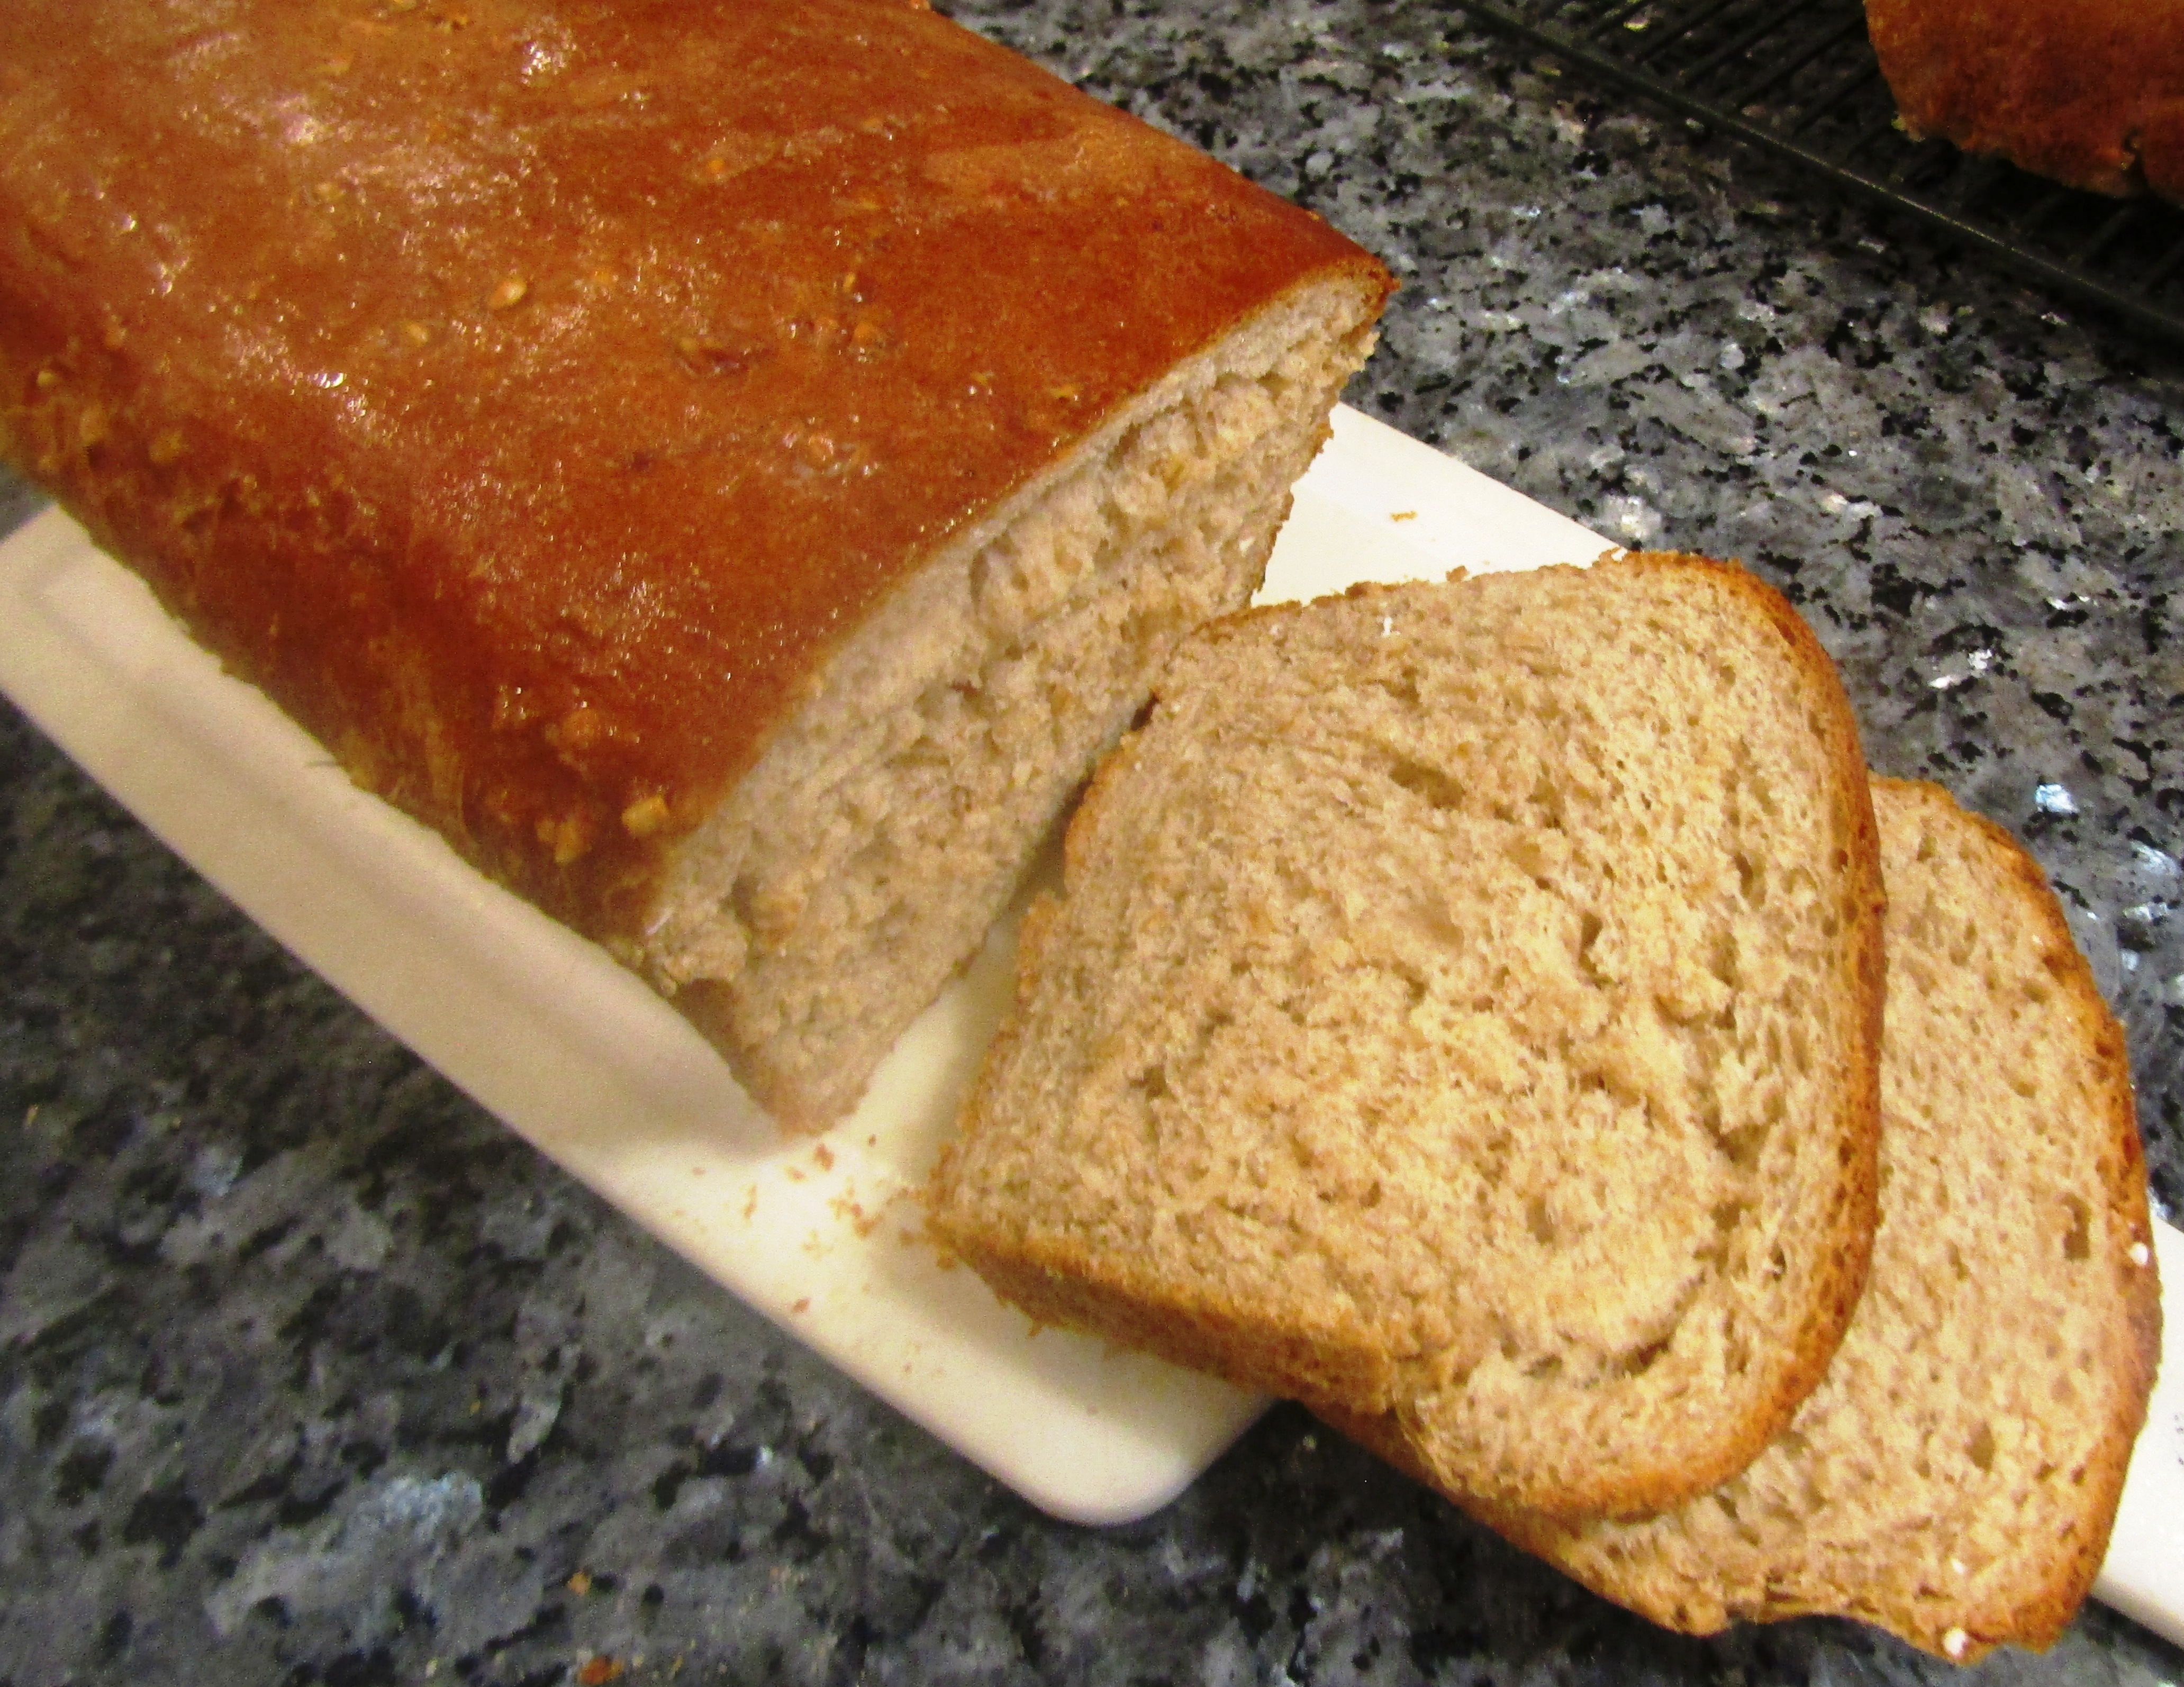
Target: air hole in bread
{"points": [[2077, 1243], [1403, 688], [743, 901], [1642, 1360], [1721, 963], [1588, 929], [1429, 784], [1981, 1448], [1547, 800]]}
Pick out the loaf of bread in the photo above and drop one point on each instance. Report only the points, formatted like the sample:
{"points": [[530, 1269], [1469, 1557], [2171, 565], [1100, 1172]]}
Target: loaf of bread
{"points": [[1954, 1478], [731, 469], [1463, 1006], [2090, 92]]}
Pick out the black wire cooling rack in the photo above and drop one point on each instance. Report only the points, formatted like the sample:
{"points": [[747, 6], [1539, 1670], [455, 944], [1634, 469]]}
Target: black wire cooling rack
{"points": [[1798, 77]]}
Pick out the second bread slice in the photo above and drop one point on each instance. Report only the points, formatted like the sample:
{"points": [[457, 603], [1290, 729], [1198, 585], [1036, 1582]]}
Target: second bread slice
{"points": [[1955, 1478], [1464, 1009]]}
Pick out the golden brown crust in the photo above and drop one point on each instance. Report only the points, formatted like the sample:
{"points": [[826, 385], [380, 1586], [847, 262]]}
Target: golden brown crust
{"points": [[1054, 1282], [2087, 92], [530, 401]]}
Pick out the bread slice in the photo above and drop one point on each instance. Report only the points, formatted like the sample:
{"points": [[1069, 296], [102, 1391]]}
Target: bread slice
{"points": [[1954, 1478], [2087, 92], [731, 469], [1464, 1007]]}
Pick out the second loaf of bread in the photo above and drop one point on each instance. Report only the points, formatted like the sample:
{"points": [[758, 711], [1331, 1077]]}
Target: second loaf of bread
{"points": [[1463, 1008], [2087, 92]]}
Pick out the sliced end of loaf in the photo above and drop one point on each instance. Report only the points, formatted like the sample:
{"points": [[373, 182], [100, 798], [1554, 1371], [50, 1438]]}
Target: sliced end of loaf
{"points": [[826, 903], [1487, 977], [1955, 1476]]}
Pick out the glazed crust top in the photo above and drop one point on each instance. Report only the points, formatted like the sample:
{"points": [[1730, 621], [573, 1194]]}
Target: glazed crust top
{"points": [[528, 396], [2088, 92]]}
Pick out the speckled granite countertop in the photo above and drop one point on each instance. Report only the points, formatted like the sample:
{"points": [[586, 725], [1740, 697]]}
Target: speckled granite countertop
{"points": [[417, 1408]]}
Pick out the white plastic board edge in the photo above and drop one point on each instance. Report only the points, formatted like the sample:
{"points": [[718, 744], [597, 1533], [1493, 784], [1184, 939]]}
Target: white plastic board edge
{"points": [[2143, 1574]]}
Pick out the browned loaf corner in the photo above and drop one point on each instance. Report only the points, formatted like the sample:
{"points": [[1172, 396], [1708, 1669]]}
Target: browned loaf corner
{"points": [[1955, 1478], [2087, 92], [731, 469], [1463, 1009]]}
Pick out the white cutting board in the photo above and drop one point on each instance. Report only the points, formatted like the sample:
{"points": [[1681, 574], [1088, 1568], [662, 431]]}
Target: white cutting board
{"points": [[820, 1236]]}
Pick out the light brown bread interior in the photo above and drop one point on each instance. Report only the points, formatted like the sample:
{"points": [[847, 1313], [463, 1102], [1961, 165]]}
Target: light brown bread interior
{"points": [[1955, 1476], [1464, 1007], [826, 902]]}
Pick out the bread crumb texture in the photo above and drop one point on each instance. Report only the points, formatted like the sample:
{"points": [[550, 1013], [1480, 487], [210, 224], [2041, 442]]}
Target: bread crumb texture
{"points": [[1463, 1011], [1955, 1476], [829, 899]]}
